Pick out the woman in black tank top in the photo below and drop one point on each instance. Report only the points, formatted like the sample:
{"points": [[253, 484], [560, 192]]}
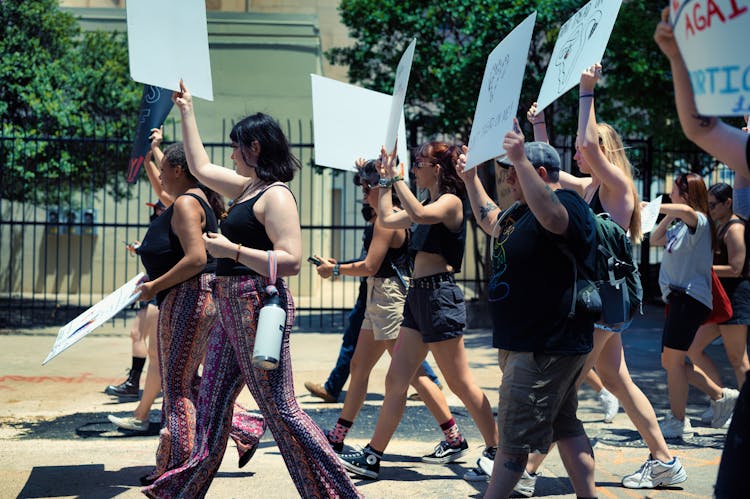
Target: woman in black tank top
{"points": [[434, 314], [260, 241]]}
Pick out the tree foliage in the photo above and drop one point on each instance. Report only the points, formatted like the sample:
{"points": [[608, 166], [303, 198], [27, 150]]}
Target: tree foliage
{"points": [[454, 38], [57, 82]]}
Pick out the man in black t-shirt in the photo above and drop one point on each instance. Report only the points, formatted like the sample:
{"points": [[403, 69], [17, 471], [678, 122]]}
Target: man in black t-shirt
{"points": [[541, 348]]}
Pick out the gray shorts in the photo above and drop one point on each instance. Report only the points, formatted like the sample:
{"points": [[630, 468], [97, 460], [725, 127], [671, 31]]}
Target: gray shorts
{"points": [[435, 307], [538, 400]]}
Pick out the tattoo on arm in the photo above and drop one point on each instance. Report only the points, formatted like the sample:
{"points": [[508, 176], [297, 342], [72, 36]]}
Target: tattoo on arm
{"points": [[704, 121], [484, 210]]}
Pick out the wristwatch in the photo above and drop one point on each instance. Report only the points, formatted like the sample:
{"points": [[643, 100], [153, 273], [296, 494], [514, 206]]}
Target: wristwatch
{"points": [[336, 270], [384, 182]]}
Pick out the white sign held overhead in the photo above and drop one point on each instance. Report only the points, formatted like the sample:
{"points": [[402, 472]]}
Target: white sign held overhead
{"points": [[708, 33], [349, 123], [499, 95], [399, 94], [580, 44], [649, 214], [94, 317], [168, 41]]}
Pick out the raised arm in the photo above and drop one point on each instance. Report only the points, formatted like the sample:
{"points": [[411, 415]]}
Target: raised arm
{"points": [[153, 159], [538, 123], [540, 198], [682, 211], [222, 180], [726, 143], [484, 209]]}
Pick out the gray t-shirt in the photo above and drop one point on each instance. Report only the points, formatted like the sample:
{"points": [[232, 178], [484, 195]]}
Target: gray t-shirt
{"points": [[687, 259]]}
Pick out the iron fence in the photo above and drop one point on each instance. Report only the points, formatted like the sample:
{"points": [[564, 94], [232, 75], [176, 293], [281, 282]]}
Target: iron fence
{"points": [[59, 258]]}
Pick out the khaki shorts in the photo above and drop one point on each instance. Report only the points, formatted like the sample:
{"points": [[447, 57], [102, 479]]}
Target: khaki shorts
{"points": [[538, 400], [385, 307]]}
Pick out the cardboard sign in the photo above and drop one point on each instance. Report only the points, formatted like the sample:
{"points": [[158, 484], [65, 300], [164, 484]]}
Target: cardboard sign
{"points": [[499, 95], [580, 44], [399, 94], [155, 106], [94, 317], [709, 34], [349, 123], [649, 214], [168, 41]]}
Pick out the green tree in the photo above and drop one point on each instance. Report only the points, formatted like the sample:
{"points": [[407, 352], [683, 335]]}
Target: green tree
{"points": [[57, 82], [454, 38]]}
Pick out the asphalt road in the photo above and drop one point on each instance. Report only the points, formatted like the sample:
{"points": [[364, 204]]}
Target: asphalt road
{"points": [[55, 440]]}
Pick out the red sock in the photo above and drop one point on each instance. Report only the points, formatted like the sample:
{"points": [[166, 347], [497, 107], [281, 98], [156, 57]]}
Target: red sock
{"points": [[452, 435]]}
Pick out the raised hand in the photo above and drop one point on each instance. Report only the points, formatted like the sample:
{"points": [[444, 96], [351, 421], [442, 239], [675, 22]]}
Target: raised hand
{"points": [[466, 175], [589, 77], [513, 143], [664, 36], [183, 99]]}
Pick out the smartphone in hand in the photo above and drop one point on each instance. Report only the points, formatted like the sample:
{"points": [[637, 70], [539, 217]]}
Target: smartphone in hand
{"points": [[314, 260]]}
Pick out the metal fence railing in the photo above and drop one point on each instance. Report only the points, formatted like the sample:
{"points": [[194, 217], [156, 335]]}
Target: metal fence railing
{"points": [[61, 256]]}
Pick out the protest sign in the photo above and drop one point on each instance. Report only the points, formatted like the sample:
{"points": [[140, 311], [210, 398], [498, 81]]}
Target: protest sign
{"points": [[399, 94], [499, 95], [580, 44], [94, 317], [167, 42], [155, 106], [710, 35], [649, 214], [349, 123]]}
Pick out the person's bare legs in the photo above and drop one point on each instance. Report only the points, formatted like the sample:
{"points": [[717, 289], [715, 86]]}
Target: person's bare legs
{"points": [[705, 335], [139, 334], [506, 472], [734, 337], [450, 356], [578, 458], [366, 355], [615, 376], [408, 354], [152, 385], [593, 380], [678, 373]]}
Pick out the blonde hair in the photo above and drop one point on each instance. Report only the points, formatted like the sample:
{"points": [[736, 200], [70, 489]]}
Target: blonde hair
{"points": [[611, 144]]}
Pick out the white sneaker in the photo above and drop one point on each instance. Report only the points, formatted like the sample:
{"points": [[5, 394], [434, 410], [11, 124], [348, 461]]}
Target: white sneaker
{"points": [[610, 405], [655, 473], [129, 423], [707, 415], [526, 484], [724, 407], [672, 427], [477, 474]]}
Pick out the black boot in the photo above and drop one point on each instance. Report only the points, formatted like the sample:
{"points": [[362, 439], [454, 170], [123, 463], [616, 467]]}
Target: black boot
{"points": [[130, 387]]}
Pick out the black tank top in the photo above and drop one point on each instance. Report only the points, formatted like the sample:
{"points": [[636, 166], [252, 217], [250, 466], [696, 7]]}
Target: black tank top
{"points": [[439, 239], [721, 257], [161, 248], [596, 204], [241, 226], [395, 258]]}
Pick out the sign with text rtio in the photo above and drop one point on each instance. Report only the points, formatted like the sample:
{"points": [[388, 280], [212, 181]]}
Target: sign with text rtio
{"points": [[711, 36]]}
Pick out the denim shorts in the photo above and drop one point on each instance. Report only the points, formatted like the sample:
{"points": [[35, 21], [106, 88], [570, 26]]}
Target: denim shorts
{"points": [[684, 317], [740, 299], [538, 400], [435, 307]]}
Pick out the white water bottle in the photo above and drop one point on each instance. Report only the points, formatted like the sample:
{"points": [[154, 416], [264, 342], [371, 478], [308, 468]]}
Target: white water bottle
{"points": [[270, 331]]}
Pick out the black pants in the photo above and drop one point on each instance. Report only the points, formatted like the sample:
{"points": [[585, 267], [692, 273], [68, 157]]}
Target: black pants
{"points": [[735, 460]]}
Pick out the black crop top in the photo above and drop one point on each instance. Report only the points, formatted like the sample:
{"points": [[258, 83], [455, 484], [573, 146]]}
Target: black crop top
{"points": [[161, 248], [596, 204], [395, 258], [440, 240], [241, 226]]}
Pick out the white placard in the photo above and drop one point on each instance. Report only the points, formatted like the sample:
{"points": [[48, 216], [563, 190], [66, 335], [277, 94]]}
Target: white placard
{"points": [[399, 94], [649, 214], [349, 122], [168, 41], [498, 98], [580, 44], [708, 33], [94, 317]]}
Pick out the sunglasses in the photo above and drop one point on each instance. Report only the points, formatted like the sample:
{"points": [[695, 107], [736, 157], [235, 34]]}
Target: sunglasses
{"points": [[424, 164]]}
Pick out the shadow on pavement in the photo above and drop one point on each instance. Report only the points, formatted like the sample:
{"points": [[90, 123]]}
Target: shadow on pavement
{"points": [[88, 480]]}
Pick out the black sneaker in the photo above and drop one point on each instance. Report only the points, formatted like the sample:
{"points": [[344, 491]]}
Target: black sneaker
{"points": [[444, 453], [124, 389], [338, 447], [364, 463]]}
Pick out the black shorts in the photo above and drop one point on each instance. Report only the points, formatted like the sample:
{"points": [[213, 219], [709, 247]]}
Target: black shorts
{"points": [[435, 307], [685, 316], [740, 298]]}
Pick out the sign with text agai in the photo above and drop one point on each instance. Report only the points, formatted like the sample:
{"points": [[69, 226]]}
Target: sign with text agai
{"points": [[349, 123], [498, 98], [710, 35], [94, 317], [168, 41], [399, 94], [580, 44]]}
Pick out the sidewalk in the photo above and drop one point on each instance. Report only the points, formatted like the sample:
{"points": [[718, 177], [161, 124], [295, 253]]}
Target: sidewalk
{"points": [[57, 442]]}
